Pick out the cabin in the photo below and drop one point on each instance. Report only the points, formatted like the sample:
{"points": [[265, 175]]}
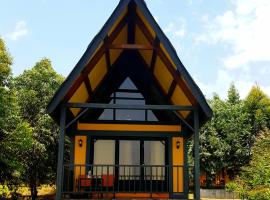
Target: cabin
{"points": [[129, 109]]}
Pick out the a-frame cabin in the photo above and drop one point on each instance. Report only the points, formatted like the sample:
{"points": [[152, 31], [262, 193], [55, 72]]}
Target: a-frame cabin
{"points": [[129, 107]]}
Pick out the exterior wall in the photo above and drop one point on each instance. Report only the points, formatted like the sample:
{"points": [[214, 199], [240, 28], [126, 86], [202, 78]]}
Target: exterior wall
{"points": [[80, 155], [178, 159]]}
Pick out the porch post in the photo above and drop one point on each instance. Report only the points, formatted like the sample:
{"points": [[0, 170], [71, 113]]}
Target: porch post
{"points": [[196, 157], [170, 175], [59, 180]]}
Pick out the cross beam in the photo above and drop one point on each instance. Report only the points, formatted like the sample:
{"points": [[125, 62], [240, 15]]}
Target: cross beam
{"points": [[132, 107]]}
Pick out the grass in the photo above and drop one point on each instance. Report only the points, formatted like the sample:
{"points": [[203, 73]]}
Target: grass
{"points": [[45, 191]]}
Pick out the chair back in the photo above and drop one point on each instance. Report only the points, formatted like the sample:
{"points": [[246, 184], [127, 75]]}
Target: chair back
{"points": [[107, 180]]}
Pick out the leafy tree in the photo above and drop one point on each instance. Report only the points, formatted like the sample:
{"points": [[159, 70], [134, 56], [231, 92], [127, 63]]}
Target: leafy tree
{"points": [[233, 95], [5, 63], [257, 105], [225, 140], [15, 134], [254, 180], [35, 88]]}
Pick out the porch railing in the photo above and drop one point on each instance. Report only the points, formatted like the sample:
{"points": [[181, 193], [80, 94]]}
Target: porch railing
{"points": [[120, 178]]}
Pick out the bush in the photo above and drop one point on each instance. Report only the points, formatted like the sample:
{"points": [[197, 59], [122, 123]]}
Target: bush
{"points": [[254, 180]]}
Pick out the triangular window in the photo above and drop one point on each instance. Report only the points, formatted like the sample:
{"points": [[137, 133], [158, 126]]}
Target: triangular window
{"points": [[128, 94]]}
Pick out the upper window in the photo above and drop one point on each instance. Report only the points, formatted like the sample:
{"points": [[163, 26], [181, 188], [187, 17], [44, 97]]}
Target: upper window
{"points": [[128, 94]]}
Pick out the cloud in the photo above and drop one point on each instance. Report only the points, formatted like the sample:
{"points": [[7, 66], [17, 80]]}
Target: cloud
{"points": [[19, 31], [222, 84], [245, 29], [176, 28], [242, 35]]}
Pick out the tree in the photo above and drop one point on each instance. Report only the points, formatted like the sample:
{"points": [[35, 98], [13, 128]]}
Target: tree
{"points": [[35, 88], [257, 105], [226, 139], [15, 134], [213, 148], [254, 180], [233, 95]]}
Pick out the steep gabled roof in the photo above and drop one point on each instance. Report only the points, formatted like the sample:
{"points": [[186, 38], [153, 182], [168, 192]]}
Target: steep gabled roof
{"points": [[131, 27]]}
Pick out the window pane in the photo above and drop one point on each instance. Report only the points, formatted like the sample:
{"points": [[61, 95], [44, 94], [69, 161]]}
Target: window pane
{"points": [[154, 154], [104, 154], [129, 155]]}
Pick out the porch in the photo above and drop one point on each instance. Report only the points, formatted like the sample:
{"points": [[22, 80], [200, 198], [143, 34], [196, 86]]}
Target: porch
{"points": [[121, 181]]}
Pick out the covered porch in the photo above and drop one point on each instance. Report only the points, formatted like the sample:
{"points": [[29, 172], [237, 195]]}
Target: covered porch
{"points": [[125, 159]]}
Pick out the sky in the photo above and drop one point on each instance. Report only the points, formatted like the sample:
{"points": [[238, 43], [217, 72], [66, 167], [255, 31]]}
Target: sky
{"points": [[219, 42]]}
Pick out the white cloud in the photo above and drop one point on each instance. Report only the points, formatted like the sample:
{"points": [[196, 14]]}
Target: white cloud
{"points": [[19, 31], [222, 84], [176, 28], [245, 29], [244, 33]]}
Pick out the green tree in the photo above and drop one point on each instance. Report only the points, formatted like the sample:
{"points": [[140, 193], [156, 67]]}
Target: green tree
{"points": [[257, 105], [254, 180], [15, 134], [35, 88], [226, 139], [233, 95]]}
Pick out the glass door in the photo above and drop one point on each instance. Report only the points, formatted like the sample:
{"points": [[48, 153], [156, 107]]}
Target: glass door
{"points": [[154, 156], [104, 156], [129, 159]]}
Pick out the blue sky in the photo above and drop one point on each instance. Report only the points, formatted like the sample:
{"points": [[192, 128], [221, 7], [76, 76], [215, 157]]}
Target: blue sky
{"points": [[219, 42]]}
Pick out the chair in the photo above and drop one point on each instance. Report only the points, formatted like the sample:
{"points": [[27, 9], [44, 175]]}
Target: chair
{"points": [[107, 180], [84, 181]]}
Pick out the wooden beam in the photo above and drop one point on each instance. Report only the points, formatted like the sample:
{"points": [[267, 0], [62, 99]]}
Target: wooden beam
{"points": [[86, 71], [131, 23], [176, 75], [107, 53], [171, 89], [100, 52], [144, 29], [118, 29], [131, 46], [165, 59], [88, 86], [154, 55], [178, 114]]}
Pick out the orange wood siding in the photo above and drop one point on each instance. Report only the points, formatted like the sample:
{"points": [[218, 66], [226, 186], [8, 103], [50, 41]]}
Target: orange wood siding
{"points": [[80, 155], [178, 159], [128, 127]]}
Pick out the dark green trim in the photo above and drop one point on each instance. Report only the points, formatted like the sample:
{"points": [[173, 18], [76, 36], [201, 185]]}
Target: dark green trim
{"points": [[131, 23], [72, 150], [92, 143], [142, 158], [186, 177], [88, 151], [196, 157], [131, 107], [170, 169], [61, 146]]}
